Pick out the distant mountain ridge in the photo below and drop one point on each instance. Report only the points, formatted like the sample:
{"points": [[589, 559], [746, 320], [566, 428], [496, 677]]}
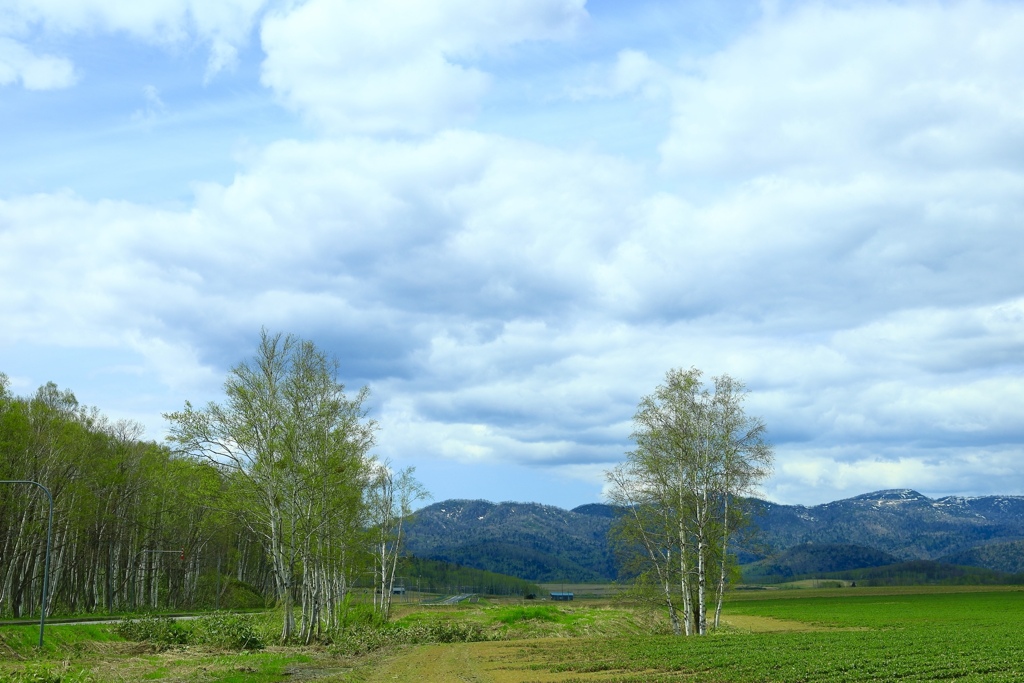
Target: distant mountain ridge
{"points": [[902, 522], [528, 540], [544, 543]]}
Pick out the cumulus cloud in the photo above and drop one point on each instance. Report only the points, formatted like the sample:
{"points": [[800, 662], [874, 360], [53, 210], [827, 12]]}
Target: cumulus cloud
{"points": [[834, 220], [395, 67], [864, 88]]}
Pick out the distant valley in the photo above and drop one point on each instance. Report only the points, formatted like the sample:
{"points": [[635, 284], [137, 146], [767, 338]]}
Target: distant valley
{"points": [[543, 543]]}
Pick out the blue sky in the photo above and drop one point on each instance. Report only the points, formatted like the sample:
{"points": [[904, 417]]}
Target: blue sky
{"points": [[509, 220]]}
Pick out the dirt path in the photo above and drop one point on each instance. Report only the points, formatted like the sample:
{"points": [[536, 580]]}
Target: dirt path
{"points": [[500, 662]]}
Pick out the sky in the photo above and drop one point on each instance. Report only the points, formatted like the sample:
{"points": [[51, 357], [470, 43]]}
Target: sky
{"points": [[510, 219]]}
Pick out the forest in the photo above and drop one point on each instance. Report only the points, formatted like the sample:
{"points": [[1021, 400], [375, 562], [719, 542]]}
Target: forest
{"points": [[271, 497], [134, 526]]}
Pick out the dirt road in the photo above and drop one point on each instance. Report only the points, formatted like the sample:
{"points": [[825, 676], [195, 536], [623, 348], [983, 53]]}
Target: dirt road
{"points": [[498, 662]]}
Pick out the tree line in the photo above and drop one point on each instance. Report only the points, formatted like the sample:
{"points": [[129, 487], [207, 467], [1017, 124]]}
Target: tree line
{"points": [[132, 524], [272, 494]]}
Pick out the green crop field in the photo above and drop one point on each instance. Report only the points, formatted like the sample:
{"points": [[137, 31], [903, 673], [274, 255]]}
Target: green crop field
{"points": [[922, 634]]}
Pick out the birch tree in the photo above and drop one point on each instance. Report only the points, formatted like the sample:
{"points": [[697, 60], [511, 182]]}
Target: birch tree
{"points": [[695, 452], [390, 499], [286, 433]]}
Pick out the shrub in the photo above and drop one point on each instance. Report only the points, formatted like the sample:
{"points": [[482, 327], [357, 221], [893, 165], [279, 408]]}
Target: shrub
{"points": [[222, 629], [159, 630]]}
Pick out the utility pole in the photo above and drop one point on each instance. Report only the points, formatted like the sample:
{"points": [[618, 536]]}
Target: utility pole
{"points": [[46, 563]]}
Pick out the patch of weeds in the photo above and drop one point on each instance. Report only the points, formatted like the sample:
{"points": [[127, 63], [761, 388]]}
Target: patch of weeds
{"points": [[222, 629], [512, 615], [42, 673], [360, 640], [159, 630]]}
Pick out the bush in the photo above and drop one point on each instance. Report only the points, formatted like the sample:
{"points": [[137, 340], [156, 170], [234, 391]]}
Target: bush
{"points": [[155, 629], [222, 629], [354, 615]]}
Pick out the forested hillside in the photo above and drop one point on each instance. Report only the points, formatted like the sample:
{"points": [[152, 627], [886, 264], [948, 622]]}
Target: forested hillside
{"points": [[815, 559], [436, 576], [1003, 557], [536, 542], [540, 542], [901, 522]]}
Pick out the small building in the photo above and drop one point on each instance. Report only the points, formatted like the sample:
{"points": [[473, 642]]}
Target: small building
{"points": [[562, 596]]}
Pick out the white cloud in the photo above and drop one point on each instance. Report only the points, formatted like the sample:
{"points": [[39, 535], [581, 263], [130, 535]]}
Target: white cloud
{"points": [[819, 475], [833, 225], [394, 66], [869, 87], [34, 72], [225, 25], [154, 107], [632, 73]]}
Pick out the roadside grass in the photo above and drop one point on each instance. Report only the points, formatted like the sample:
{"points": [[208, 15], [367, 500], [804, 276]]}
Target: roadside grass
{"points": [[21, 642]]}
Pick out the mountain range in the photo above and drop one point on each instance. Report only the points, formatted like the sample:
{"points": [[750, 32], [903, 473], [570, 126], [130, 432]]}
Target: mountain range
{"points": [[543, 543]]}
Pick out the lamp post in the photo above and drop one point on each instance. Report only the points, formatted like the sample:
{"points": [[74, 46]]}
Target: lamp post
{"points": [[46, 563]]}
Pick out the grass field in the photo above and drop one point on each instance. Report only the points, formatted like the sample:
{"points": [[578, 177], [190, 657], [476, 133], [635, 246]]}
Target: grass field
{"points": [[847, 634]]}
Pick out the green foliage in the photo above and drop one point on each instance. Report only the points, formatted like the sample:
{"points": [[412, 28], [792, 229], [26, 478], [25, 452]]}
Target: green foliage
{"points": [[222, 629], [294, 451], [436, 576], [359, 614], [152, 628], [234, 594], [127, 509]]}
